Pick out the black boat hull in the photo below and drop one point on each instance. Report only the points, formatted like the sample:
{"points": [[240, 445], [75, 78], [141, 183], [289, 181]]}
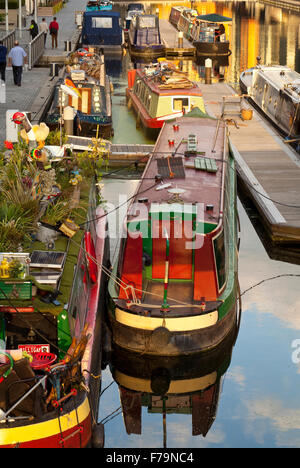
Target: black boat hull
{"points": [[162, 342], [211, 48]]}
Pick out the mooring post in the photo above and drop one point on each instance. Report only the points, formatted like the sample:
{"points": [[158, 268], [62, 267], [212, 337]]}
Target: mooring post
{"points": [[180, 39]]}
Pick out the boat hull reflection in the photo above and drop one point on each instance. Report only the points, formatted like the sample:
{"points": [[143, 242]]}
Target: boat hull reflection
{"points": [[188, 384]]}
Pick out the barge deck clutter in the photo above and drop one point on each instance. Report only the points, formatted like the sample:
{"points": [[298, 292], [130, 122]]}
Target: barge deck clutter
{"points": [[177, 268], [51, 330], [160, 92]]}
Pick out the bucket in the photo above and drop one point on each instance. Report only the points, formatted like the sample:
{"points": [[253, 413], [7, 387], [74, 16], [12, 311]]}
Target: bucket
{"points": [[246, 114]]}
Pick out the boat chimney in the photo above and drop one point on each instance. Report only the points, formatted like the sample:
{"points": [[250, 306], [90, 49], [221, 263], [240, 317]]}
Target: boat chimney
{"points": [[208, 67]]}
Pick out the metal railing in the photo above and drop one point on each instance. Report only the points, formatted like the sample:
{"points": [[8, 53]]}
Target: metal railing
{"points": [[35, 49], [9, 39]]}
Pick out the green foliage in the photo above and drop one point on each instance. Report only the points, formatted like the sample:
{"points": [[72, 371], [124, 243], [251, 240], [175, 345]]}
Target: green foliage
{"points": [[54, 138]]}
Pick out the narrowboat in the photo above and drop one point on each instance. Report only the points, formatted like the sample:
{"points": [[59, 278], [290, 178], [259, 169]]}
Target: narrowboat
{"points": [[127, 21], [52, 291], [186, 21], [98, 5], [173, 288], [161, 92], [275, 90], [92, 99], [144, 39], [175, 14], [186, 385], [102, 29], [136, 7], [209, 34]]}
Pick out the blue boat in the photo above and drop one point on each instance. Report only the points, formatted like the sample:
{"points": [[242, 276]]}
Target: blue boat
{"points": [[144, 39], [102, 29], [97, 5]]}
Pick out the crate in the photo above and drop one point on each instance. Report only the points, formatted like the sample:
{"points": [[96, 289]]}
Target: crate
{"points": [[15, 290]]}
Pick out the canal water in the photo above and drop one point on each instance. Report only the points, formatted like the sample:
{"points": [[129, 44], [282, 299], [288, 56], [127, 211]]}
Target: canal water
{"points": [[250, 389]]}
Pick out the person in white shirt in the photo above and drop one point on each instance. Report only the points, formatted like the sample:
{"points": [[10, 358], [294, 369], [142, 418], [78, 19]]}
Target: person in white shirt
{"points": [[43, 27]]}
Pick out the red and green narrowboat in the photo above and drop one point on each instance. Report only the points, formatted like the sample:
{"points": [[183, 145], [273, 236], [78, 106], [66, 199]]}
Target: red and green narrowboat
{"points": [[173, 289]]}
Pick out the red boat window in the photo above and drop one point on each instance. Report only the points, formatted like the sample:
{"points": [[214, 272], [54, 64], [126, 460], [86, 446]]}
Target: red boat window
{"points": [[205, 282], [131, 272], [180, 256]]}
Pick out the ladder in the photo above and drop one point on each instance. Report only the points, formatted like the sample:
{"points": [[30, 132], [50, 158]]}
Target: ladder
{"points": [[232, 105]]}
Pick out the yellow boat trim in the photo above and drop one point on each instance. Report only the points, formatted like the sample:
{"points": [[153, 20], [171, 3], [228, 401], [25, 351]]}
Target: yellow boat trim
{"points": [[176, 386], [51, 427], [182, 324]]}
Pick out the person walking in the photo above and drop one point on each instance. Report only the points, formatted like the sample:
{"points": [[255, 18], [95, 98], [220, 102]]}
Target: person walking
{"points": [[16, 59], [33, 29], [3, 53], [53, 29], [43, 27]]}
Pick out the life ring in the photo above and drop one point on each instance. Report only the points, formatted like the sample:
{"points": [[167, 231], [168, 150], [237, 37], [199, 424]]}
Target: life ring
{"points": [[90, 256]]}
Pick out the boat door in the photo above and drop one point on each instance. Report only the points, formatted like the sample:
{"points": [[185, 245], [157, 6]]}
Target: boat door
{"points": [[181, 104]]}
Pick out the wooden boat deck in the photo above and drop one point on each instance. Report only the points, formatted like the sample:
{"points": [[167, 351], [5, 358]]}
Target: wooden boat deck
{"points": [[268, 167], [169, 36]]}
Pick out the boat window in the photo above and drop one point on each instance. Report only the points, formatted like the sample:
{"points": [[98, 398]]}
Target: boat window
{"points": [[180, 104], [147, 21], [105, 23], [219, 250]]}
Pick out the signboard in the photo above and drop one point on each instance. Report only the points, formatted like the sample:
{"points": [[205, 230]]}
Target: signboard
{"points": [[35, 348]]}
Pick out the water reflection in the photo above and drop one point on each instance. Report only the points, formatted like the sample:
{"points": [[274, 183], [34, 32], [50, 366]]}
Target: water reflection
{"points": [[184, 385], [258, 403], [257, 29]]}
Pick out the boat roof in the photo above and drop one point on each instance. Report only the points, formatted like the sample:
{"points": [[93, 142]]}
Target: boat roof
{"points": [[281, 77], [175, 83], [188, 185], [115, 14], [214, 18]]}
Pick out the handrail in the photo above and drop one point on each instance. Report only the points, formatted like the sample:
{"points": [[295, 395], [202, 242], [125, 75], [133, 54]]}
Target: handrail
{"points": [[9, 39], [35, 49]]}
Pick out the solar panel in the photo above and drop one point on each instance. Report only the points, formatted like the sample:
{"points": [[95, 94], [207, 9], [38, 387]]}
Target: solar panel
{"points": [[171, 168], [40, 258]]}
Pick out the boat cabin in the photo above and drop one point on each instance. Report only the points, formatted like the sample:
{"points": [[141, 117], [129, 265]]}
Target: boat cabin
{"points": [[210, 28], [144, 34], [97, 5], [163, 93], [102, 28], [186, 20]]}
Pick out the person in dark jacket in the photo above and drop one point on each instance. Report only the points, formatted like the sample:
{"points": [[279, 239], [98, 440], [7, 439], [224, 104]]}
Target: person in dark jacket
{"points": [[3, 53], [33, 29]]}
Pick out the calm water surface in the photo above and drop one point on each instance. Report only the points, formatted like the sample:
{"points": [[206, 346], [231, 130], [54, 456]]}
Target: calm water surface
{"points": [[255, 398]]}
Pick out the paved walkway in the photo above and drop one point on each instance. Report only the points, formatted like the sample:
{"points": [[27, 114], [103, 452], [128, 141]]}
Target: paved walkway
{"points": [[22, 98]]}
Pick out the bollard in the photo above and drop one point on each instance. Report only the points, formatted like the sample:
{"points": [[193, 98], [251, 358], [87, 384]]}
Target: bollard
{"points": [[68, 46], [208, 67], [54, 69], [69, 120], [180, 39]]}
